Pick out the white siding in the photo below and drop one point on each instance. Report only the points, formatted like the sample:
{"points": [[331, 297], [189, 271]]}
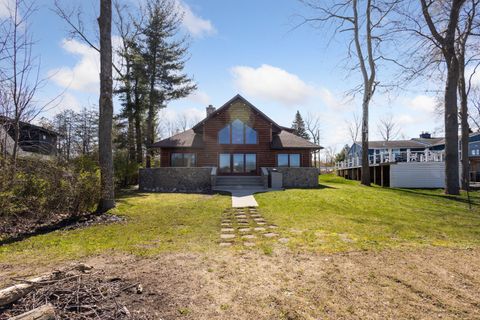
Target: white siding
{"points": [[417, 175]]}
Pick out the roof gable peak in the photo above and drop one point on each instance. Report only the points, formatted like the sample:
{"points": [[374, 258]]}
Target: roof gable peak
{"points": [[229, 103]]}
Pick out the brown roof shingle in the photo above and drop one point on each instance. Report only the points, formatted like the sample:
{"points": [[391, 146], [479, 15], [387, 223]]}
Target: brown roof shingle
{"points": [[186, 139], [287, 140]]}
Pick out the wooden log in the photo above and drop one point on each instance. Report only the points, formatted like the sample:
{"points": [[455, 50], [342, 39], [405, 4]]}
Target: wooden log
{"points": [[45, 312], [15, 292]]}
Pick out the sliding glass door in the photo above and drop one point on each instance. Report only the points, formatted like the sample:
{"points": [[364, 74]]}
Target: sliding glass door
{"points": [[237, 163]]}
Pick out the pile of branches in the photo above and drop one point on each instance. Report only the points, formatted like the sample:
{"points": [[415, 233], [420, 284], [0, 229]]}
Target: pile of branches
{"points": [[76, 294]]}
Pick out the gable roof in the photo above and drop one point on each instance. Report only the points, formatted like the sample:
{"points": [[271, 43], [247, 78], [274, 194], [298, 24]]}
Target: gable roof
{"points": [[282, 139], [6, 121], [186, 139], [228, 103]]}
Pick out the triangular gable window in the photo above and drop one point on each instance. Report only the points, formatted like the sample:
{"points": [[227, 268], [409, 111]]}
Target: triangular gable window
{"points": [[237, 133]]}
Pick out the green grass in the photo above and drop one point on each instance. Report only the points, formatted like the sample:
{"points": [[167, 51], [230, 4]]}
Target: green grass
{"points": [[154, 223], [343, 215], [339, 215]]}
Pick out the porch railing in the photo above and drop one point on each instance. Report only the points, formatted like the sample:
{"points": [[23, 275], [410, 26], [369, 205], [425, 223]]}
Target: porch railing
{"points": [[391, 157]]}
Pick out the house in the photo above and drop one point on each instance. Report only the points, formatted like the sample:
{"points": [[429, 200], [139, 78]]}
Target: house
{"points": [[418, 162], [33, 140], [235, 144]]}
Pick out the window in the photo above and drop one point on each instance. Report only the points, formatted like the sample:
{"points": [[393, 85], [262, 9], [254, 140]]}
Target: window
{"points": [[237, 133], [250, 135], [282, 160], [237, 163], [250, 163], [224, 135], [295, 160], [288, 160], [184, 160]]}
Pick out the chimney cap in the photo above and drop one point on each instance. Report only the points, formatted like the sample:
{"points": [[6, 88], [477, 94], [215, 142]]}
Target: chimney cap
{"points": [[210, 109]]}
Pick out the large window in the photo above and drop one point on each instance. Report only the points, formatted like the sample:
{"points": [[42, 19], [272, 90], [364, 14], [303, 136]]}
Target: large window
{"points": [[288, 160], [237, 133], [184, 160], [237, 163]]}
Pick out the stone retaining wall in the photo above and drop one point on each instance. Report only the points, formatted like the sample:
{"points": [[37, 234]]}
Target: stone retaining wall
{"points": [[175, 179], [303, 177]]}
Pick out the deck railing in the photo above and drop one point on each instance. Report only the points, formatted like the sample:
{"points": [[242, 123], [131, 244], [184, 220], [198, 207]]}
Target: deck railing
{"points": [[393, 157]]}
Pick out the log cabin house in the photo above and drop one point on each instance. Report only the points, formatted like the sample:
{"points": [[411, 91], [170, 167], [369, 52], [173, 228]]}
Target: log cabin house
{"points": [[240, 144]]}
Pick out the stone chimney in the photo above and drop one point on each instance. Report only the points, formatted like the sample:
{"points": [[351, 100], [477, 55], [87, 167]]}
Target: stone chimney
{"points": [[425, 135], [210, 109]]}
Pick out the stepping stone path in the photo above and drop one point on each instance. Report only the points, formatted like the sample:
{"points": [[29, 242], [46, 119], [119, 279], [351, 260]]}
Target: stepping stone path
{"points": [[244, 226]]}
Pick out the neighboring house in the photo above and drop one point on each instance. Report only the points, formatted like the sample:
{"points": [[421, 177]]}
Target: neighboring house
{"points": [[33, 141], [238, 140], [418, 162]]}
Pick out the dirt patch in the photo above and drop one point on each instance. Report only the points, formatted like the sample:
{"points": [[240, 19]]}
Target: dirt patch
{"points": [[16, 228], [393, 284]]}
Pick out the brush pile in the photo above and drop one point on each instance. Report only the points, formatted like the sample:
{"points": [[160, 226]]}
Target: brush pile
{"points": [[79, 293]]}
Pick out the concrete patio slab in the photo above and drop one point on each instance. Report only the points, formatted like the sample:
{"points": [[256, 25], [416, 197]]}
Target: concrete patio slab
{"points": [[243, 197]]}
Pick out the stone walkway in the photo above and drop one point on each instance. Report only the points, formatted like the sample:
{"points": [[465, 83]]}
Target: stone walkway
{"points": [[245, 226]]}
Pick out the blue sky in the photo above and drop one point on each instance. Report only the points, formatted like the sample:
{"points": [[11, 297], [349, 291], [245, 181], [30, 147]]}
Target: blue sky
{"points": [[245, 47]]}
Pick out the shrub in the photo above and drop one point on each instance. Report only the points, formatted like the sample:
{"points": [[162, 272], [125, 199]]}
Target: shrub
{"points": [[126, 171], [39, 188]]}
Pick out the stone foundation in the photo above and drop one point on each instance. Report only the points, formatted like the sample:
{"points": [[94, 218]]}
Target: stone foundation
{"points": [[303, 177], [175, 179]]}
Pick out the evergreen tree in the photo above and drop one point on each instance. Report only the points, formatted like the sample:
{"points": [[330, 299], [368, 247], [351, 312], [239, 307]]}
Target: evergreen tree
{"points": [[165, 56], [298, 126]]}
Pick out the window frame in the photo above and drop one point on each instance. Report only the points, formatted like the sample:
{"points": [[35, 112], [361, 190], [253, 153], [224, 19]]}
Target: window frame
{"points": [[244, 134], [289, 160], [183, 159]]}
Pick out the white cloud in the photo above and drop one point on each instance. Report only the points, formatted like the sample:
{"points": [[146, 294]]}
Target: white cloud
{"points": [[423, 103], [331, 100], [272, 83], [5, 8], [195, 25], [84, 76], [199, 97]]}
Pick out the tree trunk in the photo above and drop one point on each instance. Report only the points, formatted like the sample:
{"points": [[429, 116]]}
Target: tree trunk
{"points": [[365, 179], [150, 135], [451, 129], [45, 312], [131, 137], [18, 291], [138, 123], [465, 135], [16, 141], [107, 200], [138, 137]]}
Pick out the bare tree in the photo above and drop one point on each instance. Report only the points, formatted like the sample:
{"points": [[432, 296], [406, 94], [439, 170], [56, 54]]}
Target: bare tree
{"points": [[330, 154], [354, 126], [107, 200], [20, 69], [445, 40], [364, 22], [467, 25], [182, 121], [388, 128], [312, 124]]}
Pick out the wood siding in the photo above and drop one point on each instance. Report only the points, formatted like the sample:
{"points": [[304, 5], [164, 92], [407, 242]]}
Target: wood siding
{"points": [[208, 155]]}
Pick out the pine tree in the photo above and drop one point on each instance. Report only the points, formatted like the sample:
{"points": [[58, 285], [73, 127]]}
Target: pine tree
{"points": [[165, 57], [298, 126]]}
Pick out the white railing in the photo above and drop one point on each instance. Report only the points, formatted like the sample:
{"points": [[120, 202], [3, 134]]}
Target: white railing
{"points": [[390, 157]]}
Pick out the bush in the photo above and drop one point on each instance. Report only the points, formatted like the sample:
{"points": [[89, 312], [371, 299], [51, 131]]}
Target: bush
{"points": [[126, 171], [39, 188]]}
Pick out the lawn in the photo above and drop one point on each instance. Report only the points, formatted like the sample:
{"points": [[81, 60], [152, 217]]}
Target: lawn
{"points": [[343, 215], [339, 215], [153, 223]]}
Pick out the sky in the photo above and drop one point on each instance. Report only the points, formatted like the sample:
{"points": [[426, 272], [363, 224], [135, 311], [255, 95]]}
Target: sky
{"points": [[248, 47]]}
